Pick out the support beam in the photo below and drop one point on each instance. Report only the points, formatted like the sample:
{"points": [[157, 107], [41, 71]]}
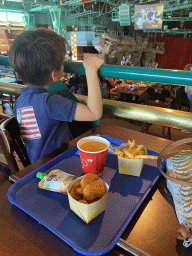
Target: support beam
{"points": [[59, 19], [29, 20]]}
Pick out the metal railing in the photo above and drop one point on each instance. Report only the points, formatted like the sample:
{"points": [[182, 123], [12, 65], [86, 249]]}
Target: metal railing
{"points": [[156, 115]]}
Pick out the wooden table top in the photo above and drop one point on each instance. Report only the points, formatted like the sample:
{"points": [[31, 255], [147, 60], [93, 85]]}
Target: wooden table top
{"points": [[138, 91], [153, 229]]}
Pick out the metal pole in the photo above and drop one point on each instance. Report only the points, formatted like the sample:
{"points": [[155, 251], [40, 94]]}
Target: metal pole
{"points": [[167, 76]]}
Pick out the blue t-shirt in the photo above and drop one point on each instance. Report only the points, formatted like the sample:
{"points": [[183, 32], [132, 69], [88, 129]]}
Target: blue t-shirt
{"points": [[43, 119]]}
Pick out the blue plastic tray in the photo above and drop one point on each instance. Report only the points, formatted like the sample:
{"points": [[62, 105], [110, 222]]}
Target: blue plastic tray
{"points": [[51, 209]]}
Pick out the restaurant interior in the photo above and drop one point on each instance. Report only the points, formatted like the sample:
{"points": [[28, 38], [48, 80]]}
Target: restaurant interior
{"points": [[145, 84]]}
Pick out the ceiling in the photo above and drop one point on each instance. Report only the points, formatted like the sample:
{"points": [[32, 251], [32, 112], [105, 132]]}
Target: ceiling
{"points": [[177, 14]]}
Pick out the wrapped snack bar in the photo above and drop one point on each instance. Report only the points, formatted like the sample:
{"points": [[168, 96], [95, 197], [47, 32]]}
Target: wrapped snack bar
{"points": [[56, 181]]}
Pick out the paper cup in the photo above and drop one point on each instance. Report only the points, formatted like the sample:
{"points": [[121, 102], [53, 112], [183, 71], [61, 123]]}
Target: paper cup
{"points": [[93, 162], [88, 212], [130, 166]]}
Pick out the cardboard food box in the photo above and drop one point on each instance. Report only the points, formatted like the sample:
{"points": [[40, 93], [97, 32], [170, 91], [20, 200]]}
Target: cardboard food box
{"points": [[88, 212], [130, 166]]}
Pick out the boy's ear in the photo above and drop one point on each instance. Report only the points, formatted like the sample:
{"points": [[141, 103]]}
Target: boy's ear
{"points": [[54, 75]]}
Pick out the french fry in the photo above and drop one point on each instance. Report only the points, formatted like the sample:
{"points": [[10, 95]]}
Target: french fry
{"points": [[134, 152], [129, 142], [132, 144], [119, 153], [129, 154], [139, 148], [146, 157]]}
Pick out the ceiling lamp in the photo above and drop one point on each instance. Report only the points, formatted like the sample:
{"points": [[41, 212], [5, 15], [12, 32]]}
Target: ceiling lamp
{"points": [[61, 3], [3, 2]]}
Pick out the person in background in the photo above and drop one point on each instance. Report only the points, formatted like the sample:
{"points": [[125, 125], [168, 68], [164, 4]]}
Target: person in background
{"points": [[67, 55], [107, 84], [188, 89], [162, 66], [154, 65], [74, 82], [38, 56], [115, 91]]}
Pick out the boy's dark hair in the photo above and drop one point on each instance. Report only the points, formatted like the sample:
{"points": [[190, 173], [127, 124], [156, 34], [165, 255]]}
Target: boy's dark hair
{"points": [[35, 54]]}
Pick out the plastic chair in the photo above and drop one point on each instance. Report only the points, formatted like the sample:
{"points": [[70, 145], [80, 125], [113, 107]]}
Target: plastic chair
{"points": [[10, 142], [7, 99]]}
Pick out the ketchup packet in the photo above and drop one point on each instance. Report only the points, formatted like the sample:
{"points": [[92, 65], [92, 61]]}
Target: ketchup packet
{"points": [[57, 181]]}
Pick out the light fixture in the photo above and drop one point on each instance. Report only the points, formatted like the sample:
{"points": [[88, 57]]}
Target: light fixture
{"points": [[61, 3], [3, 2]]}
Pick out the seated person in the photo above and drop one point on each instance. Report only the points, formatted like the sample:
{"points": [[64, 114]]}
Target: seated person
{"points": [[114, 92], [38, 57], [148, 94], [165, 93], [154, 65], [188, 89], [181, 99], [108, 84], [162, 66], [74, 82]]}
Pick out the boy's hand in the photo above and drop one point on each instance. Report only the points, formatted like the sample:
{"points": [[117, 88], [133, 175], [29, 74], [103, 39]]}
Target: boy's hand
{"points": [[93, 62]]}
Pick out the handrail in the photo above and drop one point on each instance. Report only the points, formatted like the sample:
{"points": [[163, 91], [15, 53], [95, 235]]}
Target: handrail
{"points": [[167, 76], [163, 116], [145, 113]]}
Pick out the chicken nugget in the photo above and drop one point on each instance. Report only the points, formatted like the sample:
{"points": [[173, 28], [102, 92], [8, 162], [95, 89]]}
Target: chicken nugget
{"points": [[83, 201], [88, 178], [74, 194], [93, 190], [79, 190], [95, 200], [76, 184]]}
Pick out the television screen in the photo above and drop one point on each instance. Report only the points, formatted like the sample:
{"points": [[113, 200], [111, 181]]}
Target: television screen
{"points": [[149, 16]]}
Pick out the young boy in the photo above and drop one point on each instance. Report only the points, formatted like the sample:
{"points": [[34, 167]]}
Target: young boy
{"points": [[38, 56]]}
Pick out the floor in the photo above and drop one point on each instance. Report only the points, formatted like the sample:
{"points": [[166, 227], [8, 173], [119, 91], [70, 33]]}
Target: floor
{"points": [[156, 130]]}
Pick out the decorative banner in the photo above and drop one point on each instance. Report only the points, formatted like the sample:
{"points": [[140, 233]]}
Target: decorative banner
{"points": [[74, 46]]}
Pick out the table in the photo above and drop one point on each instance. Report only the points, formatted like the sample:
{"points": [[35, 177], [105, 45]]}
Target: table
{"points": [[133, 93], [153, 230]]}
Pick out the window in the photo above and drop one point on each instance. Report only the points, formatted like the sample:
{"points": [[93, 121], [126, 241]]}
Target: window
{"points": [[11, 17]]}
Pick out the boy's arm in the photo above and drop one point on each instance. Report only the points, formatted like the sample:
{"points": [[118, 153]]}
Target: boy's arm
{"points": [[94, 108]]}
